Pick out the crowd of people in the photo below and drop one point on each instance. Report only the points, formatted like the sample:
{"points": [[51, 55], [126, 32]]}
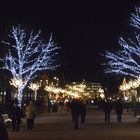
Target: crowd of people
{"points": [[16, 114], [108, 106], [77, 109]]}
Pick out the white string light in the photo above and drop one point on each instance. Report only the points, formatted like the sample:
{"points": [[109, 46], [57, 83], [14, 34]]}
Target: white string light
{"points": [[29, 55], [126, 61]]}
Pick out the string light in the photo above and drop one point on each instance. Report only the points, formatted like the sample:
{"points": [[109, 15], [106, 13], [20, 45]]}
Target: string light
{"points": [[30, 55], [125, 61], [34, 87]]}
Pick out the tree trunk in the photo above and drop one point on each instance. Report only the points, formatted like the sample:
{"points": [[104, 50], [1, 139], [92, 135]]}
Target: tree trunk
{"points": [[20, 96]]}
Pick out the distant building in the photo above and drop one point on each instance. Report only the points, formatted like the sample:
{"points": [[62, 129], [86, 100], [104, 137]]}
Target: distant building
{"points": [[87, 89], [94, 89]]}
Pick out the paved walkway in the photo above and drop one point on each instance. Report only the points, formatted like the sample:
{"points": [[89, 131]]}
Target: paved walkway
{"points": [[57, 126]]}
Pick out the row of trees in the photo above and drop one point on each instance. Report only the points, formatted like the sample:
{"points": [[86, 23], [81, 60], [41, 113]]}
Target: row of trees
{"points": [[29, 54]]}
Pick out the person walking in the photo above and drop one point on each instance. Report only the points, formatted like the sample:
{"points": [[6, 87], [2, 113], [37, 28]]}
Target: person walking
{"points": [[3, 130], [76, 113], [49, 106], [30, 113], [119, 105], [107, 110], [60, 106], [15, 115], [72, 109], [83, 111]]}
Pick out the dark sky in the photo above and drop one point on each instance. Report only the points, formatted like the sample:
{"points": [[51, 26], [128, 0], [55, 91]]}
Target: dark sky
{"points": [[82, 29]]}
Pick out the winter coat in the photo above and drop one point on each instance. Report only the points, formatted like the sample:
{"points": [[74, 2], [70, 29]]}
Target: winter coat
{"points": [[119, 107], [16, 113], [30, 111], [107, 106]]}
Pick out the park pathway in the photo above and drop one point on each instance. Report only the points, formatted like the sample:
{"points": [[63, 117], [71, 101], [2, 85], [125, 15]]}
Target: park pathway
{"points": [[58, 126]]}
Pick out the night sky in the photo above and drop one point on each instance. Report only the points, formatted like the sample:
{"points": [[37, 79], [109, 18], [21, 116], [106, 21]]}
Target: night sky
{"points": [[83, 30]]}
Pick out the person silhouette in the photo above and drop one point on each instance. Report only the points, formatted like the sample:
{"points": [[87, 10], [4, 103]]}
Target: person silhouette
{"points": [[119, 105], [3, 130], [30, 113], [16, 115], [76, 109], [83, 111], [107, 109]]}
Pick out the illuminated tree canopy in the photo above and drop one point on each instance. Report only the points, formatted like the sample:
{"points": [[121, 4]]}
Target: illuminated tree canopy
{"points": [[126, 61], [27, 55]]}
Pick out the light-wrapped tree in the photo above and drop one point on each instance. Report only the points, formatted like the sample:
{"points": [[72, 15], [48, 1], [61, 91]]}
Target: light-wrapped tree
{"points": [[26, 56], [126, 61]]}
